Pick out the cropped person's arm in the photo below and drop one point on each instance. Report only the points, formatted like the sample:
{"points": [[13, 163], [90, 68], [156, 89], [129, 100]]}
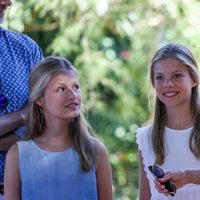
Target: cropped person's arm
{"points": [[11, 175], [104, 175], [8, 140], [11, 121], [144, 193]]}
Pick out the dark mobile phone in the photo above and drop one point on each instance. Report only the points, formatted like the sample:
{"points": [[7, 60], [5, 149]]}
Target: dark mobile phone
{"points": [[158, 173]]}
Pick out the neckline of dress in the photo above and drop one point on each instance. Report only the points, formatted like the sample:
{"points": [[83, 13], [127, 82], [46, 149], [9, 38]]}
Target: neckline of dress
{"points": [[46, 151], [179, 130]]}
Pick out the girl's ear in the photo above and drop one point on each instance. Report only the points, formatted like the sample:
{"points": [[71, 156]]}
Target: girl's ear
{"points": [[194, 83], [39, 102]]}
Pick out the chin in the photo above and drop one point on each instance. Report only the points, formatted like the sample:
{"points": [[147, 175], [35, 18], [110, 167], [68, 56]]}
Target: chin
{"points": [[74, 115]]}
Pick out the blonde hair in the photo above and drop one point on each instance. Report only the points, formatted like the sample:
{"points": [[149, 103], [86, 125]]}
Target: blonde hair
{"points": [[182, 54], [80, 131]]}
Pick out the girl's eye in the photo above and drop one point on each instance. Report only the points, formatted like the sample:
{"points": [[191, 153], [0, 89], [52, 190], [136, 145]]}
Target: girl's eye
{"points": [[159, 78], [61, 89], [76, 86], [178, 75]]}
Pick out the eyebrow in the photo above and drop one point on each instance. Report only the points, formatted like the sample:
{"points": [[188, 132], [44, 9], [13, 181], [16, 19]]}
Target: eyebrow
{"points": [[63, 83], [178, 70]]}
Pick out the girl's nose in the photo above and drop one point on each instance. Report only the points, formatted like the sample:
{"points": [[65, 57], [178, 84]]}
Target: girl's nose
{"points": [[71, 94], [168, 82]]}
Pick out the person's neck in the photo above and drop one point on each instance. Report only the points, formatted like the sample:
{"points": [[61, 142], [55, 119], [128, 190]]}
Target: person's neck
{"points": [[55, 137], [57, 128], [179, 118], [50, 141]]}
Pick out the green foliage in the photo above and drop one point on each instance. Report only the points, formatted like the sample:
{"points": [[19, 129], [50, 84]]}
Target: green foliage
{"points": [[111, 42]]}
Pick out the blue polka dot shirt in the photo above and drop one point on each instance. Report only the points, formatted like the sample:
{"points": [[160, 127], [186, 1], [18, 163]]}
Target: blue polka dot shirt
{"points": [[18, 55]]}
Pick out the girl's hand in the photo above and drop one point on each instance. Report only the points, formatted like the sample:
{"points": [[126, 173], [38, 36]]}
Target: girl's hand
{"points": [[161, 188], [178, 178]]}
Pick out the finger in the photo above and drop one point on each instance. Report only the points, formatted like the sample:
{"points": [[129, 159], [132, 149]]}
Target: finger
{"points": [[167, 177], [164, 191], [157, 183]]}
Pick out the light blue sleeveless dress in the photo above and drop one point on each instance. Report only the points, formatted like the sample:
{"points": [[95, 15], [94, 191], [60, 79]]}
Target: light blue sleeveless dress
{"points": [[54, 175]]}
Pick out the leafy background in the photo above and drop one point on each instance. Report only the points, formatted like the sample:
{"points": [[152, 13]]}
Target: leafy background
{"points": [[111, 42]]}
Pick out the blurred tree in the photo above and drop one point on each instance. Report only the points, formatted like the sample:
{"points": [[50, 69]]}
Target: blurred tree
{"points": [[111, 42]]}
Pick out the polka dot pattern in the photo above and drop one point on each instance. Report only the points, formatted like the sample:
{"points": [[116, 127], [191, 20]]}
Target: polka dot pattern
{"points": [[18, 55]]}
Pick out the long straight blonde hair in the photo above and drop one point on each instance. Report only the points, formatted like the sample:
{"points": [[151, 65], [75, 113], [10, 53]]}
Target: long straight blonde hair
{"points": [[183, 55], [80, 131]]}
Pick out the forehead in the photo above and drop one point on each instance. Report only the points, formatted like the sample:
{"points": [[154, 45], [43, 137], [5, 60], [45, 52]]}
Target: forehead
{"points": [[169, 66], [68, 75]]}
